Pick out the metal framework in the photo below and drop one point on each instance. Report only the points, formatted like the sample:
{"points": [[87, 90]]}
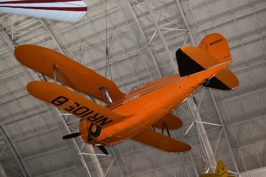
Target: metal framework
{"points": [[142, 37]]}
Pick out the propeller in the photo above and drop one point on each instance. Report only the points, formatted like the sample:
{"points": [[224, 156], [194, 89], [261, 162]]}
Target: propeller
{"points": [[72, 135], [103, 149]]}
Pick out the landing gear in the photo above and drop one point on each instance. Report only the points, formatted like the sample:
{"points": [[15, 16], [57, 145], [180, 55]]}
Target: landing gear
{"points": [[206, 82]]}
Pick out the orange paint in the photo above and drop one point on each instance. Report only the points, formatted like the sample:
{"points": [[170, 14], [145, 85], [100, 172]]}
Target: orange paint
{"points": [[131, 115]]}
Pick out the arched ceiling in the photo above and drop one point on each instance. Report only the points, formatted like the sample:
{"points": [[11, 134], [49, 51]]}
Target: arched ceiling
{"points": [[142, 37]]}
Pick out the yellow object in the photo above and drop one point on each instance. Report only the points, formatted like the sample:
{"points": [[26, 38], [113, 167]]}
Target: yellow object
{"points": [[220, 171]]}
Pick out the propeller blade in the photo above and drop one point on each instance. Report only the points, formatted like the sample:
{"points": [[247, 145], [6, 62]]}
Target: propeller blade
{"points": [[102, 148], [72, 135]]}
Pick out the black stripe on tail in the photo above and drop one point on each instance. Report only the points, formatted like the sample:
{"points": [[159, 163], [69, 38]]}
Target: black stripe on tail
{"points": [[186, 65]]}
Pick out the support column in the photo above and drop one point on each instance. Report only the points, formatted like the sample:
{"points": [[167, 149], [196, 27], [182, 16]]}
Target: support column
{"points": [[95, 160], [225, 134], [2, 171], [13, 150], [202, 134], [194, 110], [75, 143]]}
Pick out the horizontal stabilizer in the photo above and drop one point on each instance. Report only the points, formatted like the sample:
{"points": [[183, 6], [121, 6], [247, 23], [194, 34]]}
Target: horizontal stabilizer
{"points": [[172, 122], [160, 141], [191, 60], [72, 103], [224, 80], [68, 11]]}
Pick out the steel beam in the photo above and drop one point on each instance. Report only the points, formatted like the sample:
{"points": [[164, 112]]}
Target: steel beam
{"points": [[202, 134], [74, 143], [14, 152], [2, 171], [144, 38], [161, 36], [225, 133], [194, 110], [95, 160]]}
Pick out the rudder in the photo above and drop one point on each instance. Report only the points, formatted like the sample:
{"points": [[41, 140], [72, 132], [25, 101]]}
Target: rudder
{"points": [[216, 45]]}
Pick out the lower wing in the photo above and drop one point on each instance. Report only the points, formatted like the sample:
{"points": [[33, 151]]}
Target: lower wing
{"points": [[160, 141], [72, 103], [171, 121]]}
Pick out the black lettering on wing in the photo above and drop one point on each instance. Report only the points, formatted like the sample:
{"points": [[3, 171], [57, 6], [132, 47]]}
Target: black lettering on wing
{"points": [[70, 108], [87, 113], [104, 121], [59, 100], [81, 110], [94, 118]]}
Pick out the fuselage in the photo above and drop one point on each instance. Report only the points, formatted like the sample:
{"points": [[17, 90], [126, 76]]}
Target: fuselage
{"points": [[129, 114], [146, 106]]}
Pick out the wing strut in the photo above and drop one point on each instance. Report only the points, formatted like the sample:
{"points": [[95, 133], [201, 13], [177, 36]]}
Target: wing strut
{"points": [[166, 127], [105, 92], [57, 73]]}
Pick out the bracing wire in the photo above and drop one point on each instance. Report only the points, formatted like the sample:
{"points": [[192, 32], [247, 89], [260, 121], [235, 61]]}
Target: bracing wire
{"points": [[67, 80], [106, 43]]}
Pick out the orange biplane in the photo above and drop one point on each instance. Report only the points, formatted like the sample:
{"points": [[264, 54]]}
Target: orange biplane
{"points": [[220, 171], [128, 115]]}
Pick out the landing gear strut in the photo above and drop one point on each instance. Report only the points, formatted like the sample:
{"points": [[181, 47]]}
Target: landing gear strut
{"points": [[206, 82]]}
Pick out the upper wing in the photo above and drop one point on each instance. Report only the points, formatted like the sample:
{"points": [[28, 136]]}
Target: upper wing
{"points": [[84, 79], [68, 10], [161, 141], [171, 121], [72, 102]]}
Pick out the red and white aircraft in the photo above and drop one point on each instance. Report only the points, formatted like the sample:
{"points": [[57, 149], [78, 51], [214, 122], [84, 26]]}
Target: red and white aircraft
{"points": [[62, 10]]}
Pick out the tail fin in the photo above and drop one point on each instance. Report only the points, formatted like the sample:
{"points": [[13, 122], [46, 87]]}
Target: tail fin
{"points": [[216, 45], [212, 50], [191, 60]]}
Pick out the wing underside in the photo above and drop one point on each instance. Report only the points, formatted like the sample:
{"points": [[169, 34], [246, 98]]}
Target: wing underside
{"points": [[81, 78], [72, 103], [69, 11], [160, 141], [171, 121]]}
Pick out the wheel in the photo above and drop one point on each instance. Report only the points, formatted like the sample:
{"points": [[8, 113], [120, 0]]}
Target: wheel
{"points": [[95, 130], [206, 82]]}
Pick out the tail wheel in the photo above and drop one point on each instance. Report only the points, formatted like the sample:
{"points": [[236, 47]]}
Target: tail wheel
{"points": [[95, 130], [206, 82]]}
